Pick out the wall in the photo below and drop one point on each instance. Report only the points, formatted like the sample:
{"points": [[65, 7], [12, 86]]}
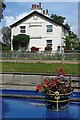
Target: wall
{"points": [[24, 82], [37, 31]]}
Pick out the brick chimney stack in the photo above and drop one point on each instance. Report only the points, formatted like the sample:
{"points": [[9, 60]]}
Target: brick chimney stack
{"points": [[39, 5], [36, 7]]}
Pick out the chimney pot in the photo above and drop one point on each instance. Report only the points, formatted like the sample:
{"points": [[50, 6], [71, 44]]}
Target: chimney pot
{"points": [[47, 11], [32, 5], [39, 5], [43, 11]]}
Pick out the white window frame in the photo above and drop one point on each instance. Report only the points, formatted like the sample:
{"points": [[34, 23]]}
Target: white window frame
{"points": [[49, 28], [49, 43], [22, 29]]}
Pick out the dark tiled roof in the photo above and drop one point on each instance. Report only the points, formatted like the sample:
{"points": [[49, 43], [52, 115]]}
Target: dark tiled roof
{"points": [[39, 14]]}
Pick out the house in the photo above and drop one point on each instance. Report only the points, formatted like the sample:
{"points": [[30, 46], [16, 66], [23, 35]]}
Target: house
{"points": [[43, 31]]}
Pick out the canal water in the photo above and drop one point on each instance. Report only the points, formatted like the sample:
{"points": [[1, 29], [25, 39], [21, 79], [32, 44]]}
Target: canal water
{"points": [[30, 108]]}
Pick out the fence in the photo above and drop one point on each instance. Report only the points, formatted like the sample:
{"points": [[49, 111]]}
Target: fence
{"points": [[68, 55]]}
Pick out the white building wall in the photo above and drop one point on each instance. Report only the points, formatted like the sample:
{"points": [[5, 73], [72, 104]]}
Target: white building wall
{"points": [[38, 33]]}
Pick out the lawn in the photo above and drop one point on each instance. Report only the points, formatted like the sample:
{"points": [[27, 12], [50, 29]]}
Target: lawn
{"points": [[39, 67]]}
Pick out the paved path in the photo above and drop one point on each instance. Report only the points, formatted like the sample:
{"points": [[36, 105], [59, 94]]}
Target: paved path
{"points": [[42, 61]]}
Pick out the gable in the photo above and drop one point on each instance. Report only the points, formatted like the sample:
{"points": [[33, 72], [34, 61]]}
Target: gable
{"points": [[33, 14]]}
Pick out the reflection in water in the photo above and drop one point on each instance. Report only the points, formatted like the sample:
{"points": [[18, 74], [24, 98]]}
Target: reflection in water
{"points": [[0, 108], [27, 108]]}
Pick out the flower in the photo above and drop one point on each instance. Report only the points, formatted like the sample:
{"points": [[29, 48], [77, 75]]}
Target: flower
{"points": [[59, 84], [38, 88]]}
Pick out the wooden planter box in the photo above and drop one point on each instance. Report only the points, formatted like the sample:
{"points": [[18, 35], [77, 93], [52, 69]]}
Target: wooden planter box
{"points": [[57, 103]]}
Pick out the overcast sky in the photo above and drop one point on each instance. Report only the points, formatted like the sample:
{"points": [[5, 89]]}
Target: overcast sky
{"points": [[16, 10]]}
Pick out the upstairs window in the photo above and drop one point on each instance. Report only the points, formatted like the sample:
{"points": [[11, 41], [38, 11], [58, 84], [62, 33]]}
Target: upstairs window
{"points": [[49, 28], [22, 29]]}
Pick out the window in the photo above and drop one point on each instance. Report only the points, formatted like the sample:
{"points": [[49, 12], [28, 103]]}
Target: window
{"points": [[22, 29], [49, 43], [49, 28]]}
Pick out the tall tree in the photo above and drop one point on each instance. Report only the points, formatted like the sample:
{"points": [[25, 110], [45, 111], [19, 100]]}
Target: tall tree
{"points": [[6, 31], [59, 19], [75, 41], [72, 42], [2, 8]]}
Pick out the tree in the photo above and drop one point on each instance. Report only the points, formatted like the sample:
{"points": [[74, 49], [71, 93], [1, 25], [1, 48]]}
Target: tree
{"points": [[75, 41], [20, 40], [6, 31], [72, 42], [67, 42], [58, 19], [2, 8]]}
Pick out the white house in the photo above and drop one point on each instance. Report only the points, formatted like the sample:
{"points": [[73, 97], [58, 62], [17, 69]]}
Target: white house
{"points": [[43, 31]]}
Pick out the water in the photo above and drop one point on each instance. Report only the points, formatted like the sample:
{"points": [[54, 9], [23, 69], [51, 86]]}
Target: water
{"points": [[29, 108], [32, 92]]}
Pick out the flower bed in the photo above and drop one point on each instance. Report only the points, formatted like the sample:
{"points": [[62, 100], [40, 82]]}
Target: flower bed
{"points": [[57, 91]]}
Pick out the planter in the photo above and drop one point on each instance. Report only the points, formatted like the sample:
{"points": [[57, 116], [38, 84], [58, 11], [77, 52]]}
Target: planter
{"points": [[57, 102]]}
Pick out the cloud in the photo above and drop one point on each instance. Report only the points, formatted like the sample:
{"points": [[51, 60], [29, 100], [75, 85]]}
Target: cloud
{"points": [[21, 16], [8, 20]]}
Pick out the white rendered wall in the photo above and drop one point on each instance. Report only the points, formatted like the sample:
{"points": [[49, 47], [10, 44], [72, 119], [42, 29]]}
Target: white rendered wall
{"points": [[38, 32]]}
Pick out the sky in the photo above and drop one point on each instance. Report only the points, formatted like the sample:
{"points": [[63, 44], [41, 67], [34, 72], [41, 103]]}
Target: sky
{"points": [[16, 10]]}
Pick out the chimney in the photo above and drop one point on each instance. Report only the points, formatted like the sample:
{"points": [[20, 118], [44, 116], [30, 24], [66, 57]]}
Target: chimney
{"points": [[47, 12], [34, 5], [44, 12], [39, 5]]}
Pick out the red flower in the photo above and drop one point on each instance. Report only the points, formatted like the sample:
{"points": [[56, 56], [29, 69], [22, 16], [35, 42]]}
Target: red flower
{"points": [[64, 74], [53, 83], [45, 81], [61, 69], [38, 88]]}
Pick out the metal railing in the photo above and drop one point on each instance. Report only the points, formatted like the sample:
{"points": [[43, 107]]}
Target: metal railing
{"points": [[68, 55]]}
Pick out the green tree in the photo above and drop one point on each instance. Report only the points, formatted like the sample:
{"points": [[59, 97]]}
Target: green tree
{"points": [[20, 40], [2, 8], [68, 42], [59, 19], [72, 42], [6, 31], [75, 41]]}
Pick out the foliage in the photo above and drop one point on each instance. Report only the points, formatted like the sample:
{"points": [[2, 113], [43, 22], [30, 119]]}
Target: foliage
{"points": [[72, 42], [68, 42], [57, 84], [20, 40], [5, 48], [59, 19], [6, 31], [67, 25], [2, 8]]}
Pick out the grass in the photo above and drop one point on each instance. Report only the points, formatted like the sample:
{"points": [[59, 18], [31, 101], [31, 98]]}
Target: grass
{"points": [[39, 67]]}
